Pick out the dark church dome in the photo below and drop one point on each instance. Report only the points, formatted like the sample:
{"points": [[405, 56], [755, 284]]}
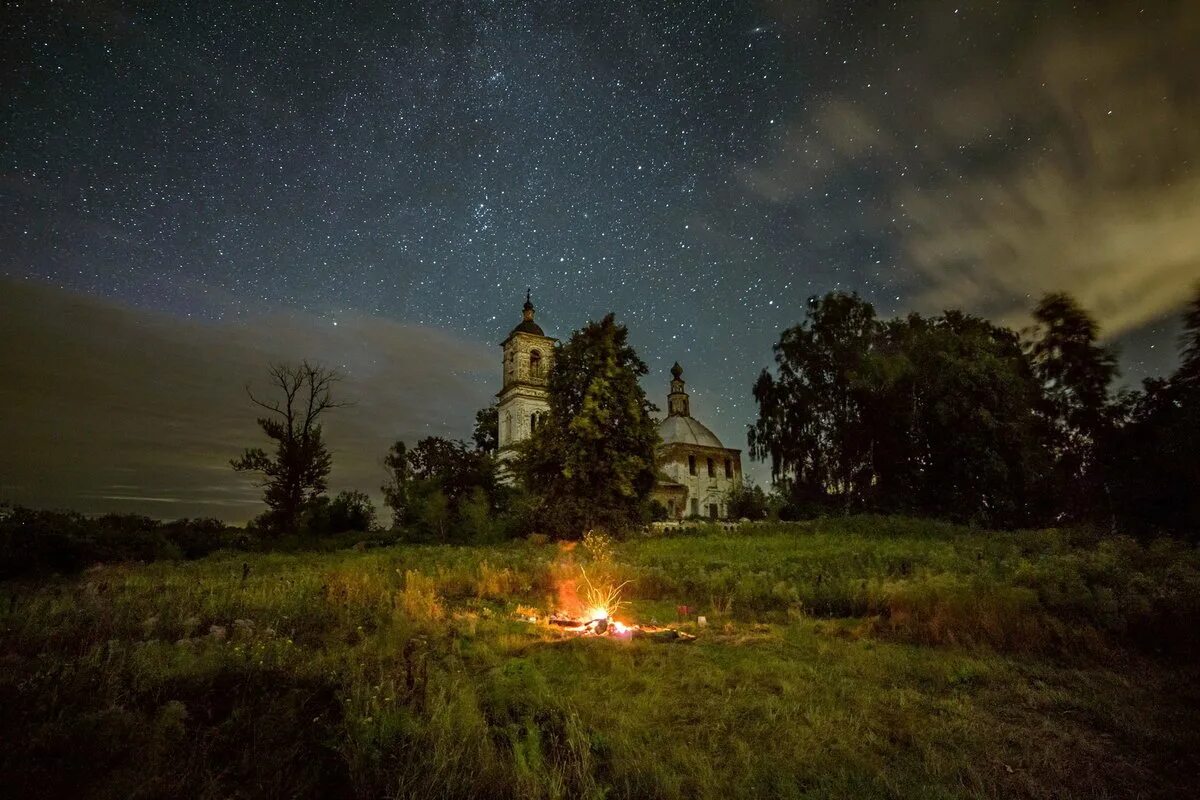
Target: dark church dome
{"points": [[529, 326]]}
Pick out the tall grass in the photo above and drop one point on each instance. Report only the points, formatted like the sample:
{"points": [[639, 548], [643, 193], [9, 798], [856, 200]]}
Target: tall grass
{"points": [[936, 583], [864, 657]]}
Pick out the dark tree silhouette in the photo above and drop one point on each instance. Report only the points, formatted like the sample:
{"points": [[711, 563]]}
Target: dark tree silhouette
{"points": [[487, 429], [429, 485], [396, 490], [928, 415], [951, 405], [296, 472], [1075, 373], [1151, 461], [1188, 374], [810, 423]]}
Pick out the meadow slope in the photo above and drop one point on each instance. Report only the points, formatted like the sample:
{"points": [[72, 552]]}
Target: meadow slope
{"points": [[852, 657]]}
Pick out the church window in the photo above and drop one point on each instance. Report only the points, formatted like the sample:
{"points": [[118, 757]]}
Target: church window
{"points": [[508, 432], [712, 473], [695, 507], [534, 421], [692, 467], [728, 468], [712, 510], [535, 363]]}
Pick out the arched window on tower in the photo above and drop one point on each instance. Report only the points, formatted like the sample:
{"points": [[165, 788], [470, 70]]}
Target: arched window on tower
{"points": [[535, 364], [533, 422], [508, 432]]}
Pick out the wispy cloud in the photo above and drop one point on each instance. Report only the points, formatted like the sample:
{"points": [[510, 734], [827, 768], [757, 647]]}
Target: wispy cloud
{"points": [[111, 407], [1067, 159]]}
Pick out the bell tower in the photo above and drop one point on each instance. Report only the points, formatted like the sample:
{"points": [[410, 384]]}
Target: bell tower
{"points": [[677, 400], [523, 398]]}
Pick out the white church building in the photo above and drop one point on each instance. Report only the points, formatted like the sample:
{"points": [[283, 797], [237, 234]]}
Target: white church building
{"points": [[695, 470]]}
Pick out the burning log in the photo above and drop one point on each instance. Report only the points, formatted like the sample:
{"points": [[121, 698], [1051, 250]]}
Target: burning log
{"points": [[603, 625]]}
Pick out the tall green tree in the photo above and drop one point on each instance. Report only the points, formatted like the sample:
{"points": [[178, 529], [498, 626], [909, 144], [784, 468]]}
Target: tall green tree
{"points": [[811, 422], [591, 461], [399, 479], [1187, 377], [486, 434], [431, 484], [296, 472], [1151, 459], [1075, 370], [1075, 373], [927, 415], [454, 465], [953, 424]]}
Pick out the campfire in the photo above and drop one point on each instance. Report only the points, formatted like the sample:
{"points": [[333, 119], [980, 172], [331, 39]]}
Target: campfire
{"points": [[597, 622], [599, 618]]}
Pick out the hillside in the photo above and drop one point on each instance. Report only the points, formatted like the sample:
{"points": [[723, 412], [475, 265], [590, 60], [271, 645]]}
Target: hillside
{"points": [[857, 657]]}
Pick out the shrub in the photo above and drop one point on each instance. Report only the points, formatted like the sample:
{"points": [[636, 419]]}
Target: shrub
{"points": [[475, 520], [747, 501], [419, 598], [36, 542], [348, 511], [196, 538]]}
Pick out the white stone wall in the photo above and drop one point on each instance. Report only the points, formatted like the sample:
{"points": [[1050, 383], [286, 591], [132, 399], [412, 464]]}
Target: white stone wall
{"points": [[701, 487], [514, 416]]}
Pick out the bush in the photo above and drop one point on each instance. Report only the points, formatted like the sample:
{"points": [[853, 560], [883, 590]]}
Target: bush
{"points": [[43, 541], [747, 501], [349, 511], [196, 538], [475, 521], [38, 542]]}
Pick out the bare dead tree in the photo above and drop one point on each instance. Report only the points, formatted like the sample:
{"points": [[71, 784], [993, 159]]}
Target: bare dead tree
{"points": [[296, 472]]}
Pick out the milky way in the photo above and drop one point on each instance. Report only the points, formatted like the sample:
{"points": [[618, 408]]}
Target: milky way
{"points": [[698, 168]]}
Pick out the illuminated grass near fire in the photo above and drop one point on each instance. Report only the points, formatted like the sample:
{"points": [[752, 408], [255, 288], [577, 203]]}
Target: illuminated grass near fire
{"points": [[863, 657]]}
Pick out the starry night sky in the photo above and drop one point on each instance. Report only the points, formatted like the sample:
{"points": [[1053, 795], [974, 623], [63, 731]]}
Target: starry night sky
{"points": [[189, 189]]}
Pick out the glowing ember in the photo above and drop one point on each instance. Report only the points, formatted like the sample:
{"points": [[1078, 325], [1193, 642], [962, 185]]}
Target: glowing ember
{"points": [[597, 623], [602, 599]]}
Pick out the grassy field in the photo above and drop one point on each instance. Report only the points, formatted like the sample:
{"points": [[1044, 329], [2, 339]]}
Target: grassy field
{"points": [[859, 657]]}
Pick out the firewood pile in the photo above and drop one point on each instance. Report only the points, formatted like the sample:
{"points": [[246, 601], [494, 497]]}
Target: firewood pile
{"points": [[602, 625]]}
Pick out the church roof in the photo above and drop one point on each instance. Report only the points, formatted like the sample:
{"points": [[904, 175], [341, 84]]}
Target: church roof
{"points": [[686, 430], [528, 326]]}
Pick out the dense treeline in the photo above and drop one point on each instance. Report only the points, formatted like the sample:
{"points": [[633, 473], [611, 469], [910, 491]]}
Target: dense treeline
{"points": [[955, 417], [37, 541], [33, 541]]}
